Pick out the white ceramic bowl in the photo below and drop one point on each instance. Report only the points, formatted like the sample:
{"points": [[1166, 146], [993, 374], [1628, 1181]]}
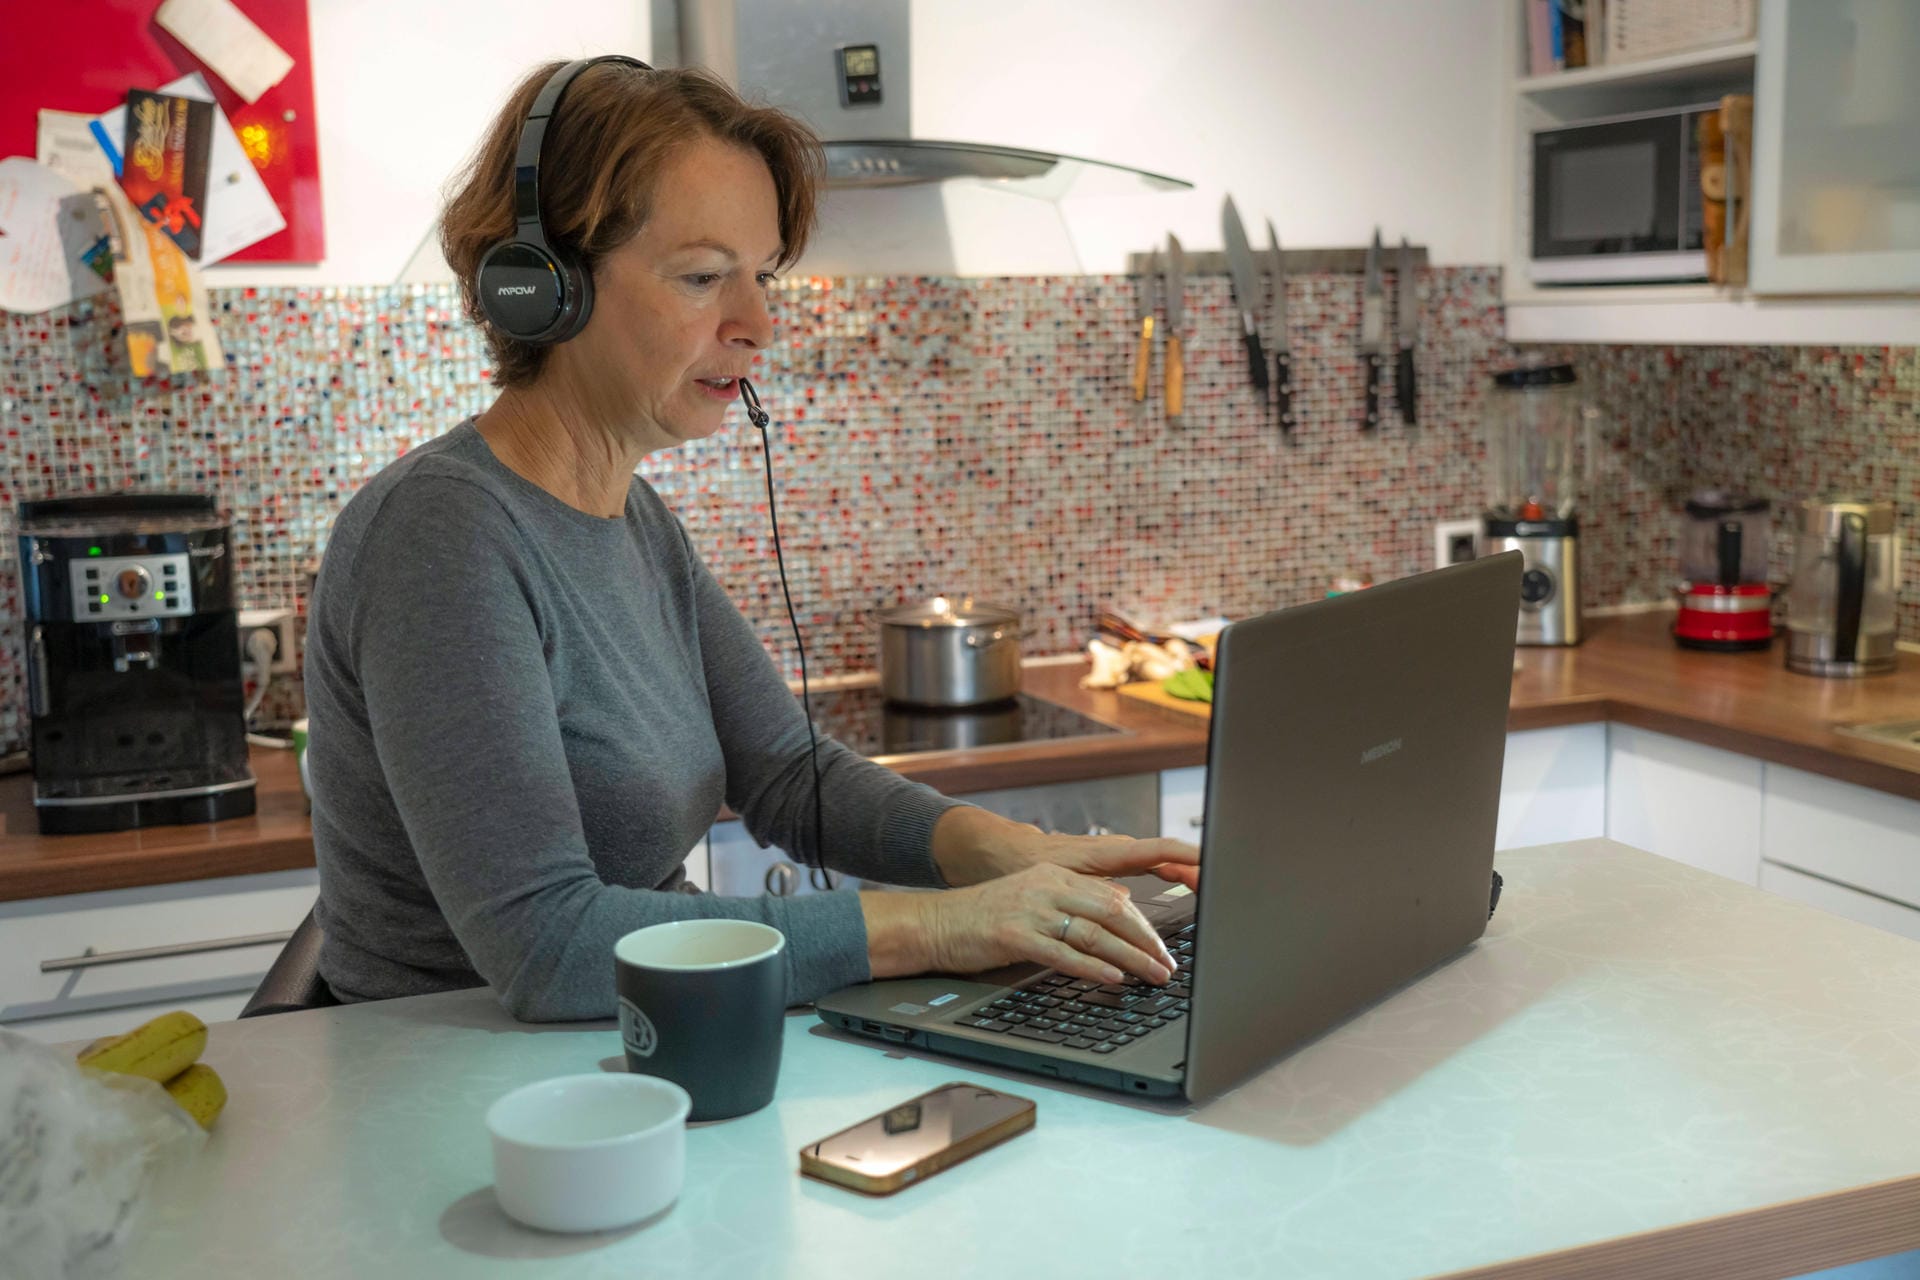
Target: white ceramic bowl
{"points": [[589, 1152]]}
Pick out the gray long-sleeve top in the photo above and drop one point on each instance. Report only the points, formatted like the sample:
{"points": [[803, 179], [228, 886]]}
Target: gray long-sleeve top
{"points": [[524, 717]]}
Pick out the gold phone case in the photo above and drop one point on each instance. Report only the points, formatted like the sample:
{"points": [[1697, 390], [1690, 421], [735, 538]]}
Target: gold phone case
{"points": [[933, 1162]]}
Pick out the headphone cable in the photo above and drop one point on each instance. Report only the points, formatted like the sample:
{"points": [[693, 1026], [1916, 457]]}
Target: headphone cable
{"points": [[760, 418]]}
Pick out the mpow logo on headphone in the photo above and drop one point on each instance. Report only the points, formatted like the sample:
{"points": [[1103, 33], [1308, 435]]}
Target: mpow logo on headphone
{"points": [[513, 289]]}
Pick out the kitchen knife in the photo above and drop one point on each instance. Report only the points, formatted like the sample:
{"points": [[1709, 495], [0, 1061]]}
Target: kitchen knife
{"points": [[1246, 299], [1373, 331], [1143, 356], [1282, 347], [1406, 328], [1176, 283]]}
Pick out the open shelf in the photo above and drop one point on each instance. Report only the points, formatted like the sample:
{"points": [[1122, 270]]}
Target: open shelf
{"points": [[1687, 67], [1713, 315]]}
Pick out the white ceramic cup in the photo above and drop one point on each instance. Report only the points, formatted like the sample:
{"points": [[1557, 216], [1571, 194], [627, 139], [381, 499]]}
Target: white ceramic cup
{"points": [[589, 1152]]}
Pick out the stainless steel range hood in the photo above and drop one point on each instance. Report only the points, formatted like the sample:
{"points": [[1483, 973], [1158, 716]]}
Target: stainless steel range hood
{"points": [[845, 67]]}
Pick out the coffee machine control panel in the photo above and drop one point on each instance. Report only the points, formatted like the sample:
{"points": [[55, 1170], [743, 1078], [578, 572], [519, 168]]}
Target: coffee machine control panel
{"points": [[112, 588]]}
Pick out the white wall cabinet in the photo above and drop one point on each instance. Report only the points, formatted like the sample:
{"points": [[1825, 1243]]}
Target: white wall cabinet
{"points": [[1835, 242], [1694, 804], [103, 998], [1836, 111]]}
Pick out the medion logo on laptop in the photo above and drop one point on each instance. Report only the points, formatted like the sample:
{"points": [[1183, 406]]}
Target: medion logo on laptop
{"points": [[1384, 749]]}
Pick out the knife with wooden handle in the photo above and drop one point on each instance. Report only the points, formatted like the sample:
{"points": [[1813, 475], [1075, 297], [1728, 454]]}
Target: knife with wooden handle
{"points": [[1143, 356], [1176, 281], [1373, 331]]}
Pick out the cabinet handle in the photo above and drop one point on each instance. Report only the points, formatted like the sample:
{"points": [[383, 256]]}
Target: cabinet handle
{"points": [[90, 959], [782, 879]]}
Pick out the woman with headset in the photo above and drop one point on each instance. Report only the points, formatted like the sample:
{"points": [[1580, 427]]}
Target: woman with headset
{"points": [[529, 698]]}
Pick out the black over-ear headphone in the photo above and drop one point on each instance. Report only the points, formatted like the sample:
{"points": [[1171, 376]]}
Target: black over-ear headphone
{"points": [[528, 288]]}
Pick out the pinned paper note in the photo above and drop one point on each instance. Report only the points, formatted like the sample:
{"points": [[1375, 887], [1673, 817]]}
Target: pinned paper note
{"points": [[36, 271], [240, 211], [66, 145], [163, 304], [228, 41], [164, 163]]}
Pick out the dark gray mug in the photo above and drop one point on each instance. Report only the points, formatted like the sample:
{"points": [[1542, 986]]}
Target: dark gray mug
{"points": [[703, 1004]]}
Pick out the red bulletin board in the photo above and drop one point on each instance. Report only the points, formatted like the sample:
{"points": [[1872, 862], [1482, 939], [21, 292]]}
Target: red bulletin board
{"points": [[83, 55]]}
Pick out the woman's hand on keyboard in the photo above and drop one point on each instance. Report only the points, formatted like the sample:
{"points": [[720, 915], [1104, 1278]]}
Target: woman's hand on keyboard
{"points": [[1046, 914], [1173, 860], [971, 845]]}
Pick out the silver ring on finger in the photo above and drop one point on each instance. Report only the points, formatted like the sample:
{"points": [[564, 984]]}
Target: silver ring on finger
{"points": [[1066, 923]]}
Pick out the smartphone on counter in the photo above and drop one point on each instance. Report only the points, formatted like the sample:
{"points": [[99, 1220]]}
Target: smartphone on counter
{"points": [[917, 1139]]}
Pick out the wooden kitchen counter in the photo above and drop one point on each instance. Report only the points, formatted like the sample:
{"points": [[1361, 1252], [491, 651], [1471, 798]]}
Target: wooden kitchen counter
{"points": [[1628, 670], [276, 838]]}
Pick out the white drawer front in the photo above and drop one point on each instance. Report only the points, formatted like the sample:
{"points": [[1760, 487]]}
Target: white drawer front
{"points": [[1183, 803], [739, 868], [1698, 805], [81, 1029], [42, 929], [1855, 835], [1839, 900], [1553, 786]]}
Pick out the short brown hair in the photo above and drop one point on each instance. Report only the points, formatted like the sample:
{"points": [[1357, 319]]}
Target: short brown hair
{"points": [[617, 128]]}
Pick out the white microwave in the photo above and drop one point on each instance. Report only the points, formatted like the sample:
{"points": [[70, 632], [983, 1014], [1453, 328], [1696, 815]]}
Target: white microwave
{"points": [[1617, 201]]}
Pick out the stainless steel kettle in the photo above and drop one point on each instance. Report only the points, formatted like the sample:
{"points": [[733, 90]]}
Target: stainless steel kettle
{"points": [[1840, 604]]}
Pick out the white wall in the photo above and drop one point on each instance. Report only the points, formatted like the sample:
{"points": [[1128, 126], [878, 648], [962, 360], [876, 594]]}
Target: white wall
{"points": [[403, 89], [1327, 115]]}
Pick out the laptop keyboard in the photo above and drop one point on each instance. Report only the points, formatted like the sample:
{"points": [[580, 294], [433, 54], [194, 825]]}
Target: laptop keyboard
{"points": [[1056, 1008]]}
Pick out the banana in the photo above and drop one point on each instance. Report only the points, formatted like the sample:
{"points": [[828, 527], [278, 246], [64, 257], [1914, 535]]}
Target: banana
{"points": [[158, 1050], [200, 1093]]}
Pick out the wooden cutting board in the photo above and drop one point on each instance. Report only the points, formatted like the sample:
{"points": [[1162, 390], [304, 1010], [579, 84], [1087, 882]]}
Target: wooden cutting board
{"points": [[1150, 691]]}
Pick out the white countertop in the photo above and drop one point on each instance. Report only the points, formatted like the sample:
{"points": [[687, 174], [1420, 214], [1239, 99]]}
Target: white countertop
{"points": [[1633, 1046]]}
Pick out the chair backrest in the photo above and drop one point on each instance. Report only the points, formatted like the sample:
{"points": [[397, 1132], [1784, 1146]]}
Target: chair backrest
{"points": [[294, 981]]}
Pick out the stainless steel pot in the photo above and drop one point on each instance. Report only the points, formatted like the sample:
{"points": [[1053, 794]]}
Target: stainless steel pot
{"points": [[949, 653]]}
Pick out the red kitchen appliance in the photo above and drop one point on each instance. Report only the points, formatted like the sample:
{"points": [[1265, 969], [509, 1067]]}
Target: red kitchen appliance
{"points": [[1725, 603]]}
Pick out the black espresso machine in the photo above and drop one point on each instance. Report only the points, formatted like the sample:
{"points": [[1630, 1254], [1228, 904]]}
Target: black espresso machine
{"points": [[133, 663]]}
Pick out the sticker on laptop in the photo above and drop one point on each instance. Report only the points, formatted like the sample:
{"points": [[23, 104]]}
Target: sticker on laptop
{"points": [[948, 998], [1177, 891], [908, 1008]]}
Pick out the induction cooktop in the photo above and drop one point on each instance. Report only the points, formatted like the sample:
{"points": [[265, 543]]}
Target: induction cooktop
{"points": [[864, 721]]}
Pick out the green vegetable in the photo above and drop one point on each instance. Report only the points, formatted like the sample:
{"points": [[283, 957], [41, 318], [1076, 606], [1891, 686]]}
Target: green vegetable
{"points": [[1192, 684]]}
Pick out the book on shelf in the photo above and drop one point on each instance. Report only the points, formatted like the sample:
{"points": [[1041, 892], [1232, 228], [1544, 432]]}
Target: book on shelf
{"points": [[1564, 35]]}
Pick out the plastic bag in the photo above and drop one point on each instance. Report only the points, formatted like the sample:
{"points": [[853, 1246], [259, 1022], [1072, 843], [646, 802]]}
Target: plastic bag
{"points": [[81, 1153]]}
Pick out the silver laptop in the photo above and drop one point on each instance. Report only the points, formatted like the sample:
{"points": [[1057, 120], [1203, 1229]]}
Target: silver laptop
{"points": [[1353, 784]]}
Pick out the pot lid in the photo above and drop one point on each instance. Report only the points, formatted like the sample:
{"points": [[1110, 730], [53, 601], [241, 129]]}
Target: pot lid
{"points": [[945, 611]]}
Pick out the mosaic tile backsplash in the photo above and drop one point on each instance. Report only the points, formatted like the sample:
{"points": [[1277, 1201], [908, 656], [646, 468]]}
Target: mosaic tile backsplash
{"points": [[946, 435]]}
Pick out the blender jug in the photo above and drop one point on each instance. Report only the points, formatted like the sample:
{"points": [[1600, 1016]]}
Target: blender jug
{"points": [[1724, 542], [1535, 424], [1840, 604], [1725, 603]]}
